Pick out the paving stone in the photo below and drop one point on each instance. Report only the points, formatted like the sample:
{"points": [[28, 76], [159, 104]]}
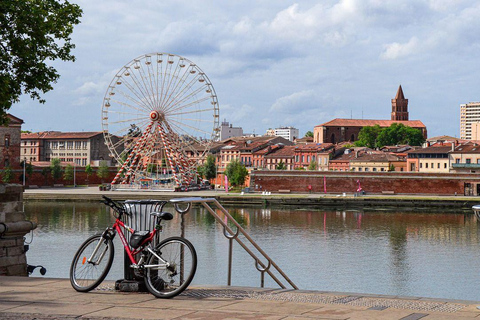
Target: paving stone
{"points": [[53, 308], [140, 313], [272, 307]]}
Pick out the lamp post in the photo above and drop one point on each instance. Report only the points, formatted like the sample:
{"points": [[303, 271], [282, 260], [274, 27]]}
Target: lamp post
{"points": [[24, 170]]}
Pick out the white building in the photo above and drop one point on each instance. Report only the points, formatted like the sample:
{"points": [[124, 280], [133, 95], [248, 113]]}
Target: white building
{"points": [[470, 121], [228, 131], [289, 133]]}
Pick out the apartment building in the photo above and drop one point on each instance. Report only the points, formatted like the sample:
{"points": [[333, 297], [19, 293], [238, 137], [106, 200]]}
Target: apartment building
{"points": [[227, 131], [470, 121], [289, 133], [433, 159], [82, 148]]}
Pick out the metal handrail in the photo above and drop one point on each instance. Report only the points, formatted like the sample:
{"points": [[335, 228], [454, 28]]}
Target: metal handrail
{"points": [[230, 235]]}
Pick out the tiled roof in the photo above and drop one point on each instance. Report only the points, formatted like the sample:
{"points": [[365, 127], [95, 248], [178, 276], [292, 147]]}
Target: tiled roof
{"points": [[314, 146], [364, 123], [467, 148], [374, 157], [285, 152], [432, 150], [60, 135], [14, 120]]}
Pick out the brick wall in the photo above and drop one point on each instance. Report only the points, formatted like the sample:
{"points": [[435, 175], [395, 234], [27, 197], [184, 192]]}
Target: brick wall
{"points": [[339, 182], [13, 228]]}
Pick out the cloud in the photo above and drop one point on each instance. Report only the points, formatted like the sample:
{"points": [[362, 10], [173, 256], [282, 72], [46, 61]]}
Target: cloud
{"points": [[295, 102], [397, 50]]}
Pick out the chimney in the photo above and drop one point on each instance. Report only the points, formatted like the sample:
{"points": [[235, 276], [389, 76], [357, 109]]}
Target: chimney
{"points": [[453, 146]]}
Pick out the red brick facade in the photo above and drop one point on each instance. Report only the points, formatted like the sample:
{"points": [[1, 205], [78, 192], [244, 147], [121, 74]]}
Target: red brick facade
{"points": [[339, 182]]}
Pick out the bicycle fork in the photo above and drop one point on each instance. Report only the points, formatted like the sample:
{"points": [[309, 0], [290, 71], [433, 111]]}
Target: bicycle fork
{"points": [[107, 234]]}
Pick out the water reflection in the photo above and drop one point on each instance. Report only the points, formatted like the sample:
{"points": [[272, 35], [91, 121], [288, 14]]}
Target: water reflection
{"points": [[417, 254]]}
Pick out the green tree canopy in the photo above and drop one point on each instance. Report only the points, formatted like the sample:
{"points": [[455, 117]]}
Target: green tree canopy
{"points": [[236, 173], [367, 136], [102, 171], [55, 169], [281, 166], [312, 166], [309, 134], [68, 173], [88, 170], [7, 175], [397, 133], [209, 168], [32, 34]]}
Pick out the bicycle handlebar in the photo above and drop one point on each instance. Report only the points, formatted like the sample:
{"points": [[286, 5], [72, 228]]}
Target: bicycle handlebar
{"points": [[114, 205]]}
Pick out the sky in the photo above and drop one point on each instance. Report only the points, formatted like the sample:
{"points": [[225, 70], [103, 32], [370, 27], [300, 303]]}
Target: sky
{"points": [[279, 63]]}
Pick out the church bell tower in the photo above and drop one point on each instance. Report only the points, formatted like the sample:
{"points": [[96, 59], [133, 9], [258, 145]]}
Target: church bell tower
{"points": [[400, 106]]}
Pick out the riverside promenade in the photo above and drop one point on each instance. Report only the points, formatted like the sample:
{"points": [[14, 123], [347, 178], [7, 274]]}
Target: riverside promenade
{"points": [[47, 298]]}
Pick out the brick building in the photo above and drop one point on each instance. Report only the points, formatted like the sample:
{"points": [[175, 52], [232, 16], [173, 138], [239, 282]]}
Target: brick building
{"points": [[80, 147], [10, 142], [339, 130], [320, 153]]}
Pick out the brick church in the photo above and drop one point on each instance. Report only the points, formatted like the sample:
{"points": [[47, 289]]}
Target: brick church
{"points": [[340, 130]]}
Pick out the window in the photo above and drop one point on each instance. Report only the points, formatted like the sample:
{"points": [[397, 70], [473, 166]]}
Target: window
{"points": [[438, 165], [374, 169], [469, 161], [366, 169], [7, 143], [69, 144], [421, 165], [426, 165], [78, 144], [457, 160], [84, 144], [445, 166]]}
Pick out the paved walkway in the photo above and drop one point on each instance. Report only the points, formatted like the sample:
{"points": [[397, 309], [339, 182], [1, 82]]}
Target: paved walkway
{"points": [[47, 298]]}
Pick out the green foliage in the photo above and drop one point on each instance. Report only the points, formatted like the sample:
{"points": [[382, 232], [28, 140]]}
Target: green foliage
{"points": [[55, 169], [209, 168], [7, 175], [236, 173], [309, 134], [281, 166], [46, 173], [397, 133], [368, 136], [68, 173], [300, 168], [33, 33], [88, 170], [312, 166], [102, 171], [391, 168]]}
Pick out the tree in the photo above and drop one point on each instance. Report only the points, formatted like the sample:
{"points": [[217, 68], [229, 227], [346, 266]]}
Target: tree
{"points": [[281, 166], [398, 133], [209, 168], [88, 171], [102, 171], [309, 134], [236, 173], [68, 173], [313, 165], [32, 34], [367, 137], [7, 175], [46, 173], [55, 169]]}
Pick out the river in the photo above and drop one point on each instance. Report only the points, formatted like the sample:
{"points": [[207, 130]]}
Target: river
{"points": [[382, 252]]}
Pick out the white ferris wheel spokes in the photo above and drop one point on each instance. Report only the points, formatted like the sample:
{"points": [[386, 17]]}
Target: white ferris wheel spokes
{"points": [[160, 109]]}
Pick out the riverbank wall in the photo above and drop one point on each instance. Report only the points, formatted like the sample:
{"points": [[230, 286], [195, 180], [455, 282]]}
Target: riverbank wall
{"points": [[293, 201], [372, 182]]}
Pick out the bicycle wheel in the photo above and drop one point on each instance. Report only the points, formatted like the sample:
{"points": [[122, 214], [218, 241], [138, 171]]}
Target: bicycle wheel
{"points": [[86, 275], [168, 281]]}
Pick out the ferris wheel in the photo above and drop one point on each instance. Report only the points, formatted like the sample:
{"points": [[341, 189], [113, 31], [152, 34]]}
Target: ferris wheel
{"points": [[160, 115]]}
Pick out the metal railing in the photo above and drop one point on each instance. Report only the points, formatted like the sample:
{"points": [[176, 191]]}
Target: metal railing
{"points": [[183, 205]]}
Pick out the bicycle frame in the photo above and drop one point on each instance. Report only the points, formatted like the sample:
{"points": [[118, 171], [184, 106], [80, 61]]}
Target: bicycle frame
{"points": [[117, 226]]}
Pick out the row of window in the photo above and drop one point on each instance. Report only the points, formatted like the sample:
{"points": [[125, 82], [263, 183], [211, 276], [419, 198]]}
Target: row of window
{"points": [[69, 144]]}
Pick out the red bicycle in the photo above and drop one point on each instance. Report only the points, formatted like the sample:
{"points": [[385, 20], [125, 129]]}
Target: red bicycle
{"points": [[167, 268]]}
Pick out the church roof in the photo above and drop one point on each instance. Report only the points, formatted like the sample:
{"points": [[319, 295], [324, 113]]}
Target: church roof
{"points": [[400, 95], [364, 123]]}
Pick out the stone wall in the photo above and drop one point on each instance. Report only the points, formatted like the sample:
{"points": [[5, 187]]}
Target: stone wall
{"points": [[13, 228]]}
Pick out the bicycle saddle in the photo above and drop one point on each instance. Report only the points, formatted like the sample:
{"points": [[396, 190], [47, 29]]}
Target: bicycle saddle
{"points": [[163, 215]]}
